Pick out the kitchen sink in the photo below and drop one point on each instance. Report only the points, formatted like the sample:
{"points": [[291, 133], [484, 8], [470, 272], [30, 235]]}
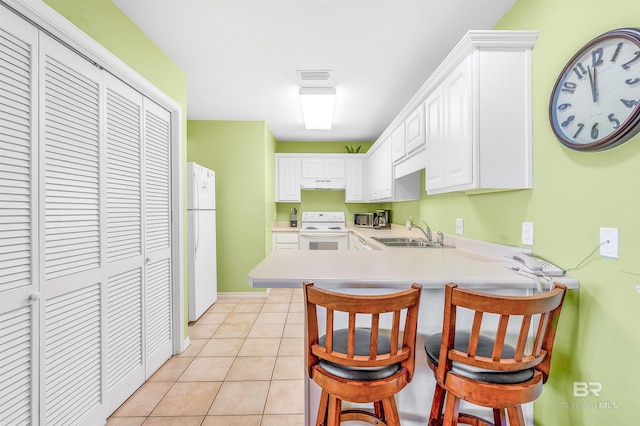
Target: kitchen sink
{"points": [[408, 242]]}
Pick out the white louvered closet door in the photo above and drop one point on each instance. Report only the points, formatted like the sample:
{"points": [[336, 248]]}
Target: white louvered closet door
{"points": [[85, 234], [157, 235], [18, 220], [125, 370], [71, 223]]}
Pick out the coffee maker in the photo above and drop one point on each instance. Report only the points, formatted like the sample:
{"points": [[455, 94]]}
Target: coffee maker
{"points": [[382, 219]]}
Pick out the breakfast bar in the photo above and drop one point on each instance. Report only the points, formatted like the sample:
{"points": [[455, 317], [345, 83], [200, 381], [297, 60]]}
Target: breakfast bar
{"points": [[471, 264]]}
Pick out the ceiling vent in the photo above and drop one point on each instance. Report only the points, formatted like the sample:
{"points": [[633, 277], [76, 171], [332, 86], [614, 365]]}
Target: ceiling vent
{"points": [[314, 75]]}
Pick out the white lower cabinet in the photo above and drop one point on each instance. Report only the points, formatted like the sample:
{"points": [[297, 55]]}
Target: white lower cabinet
{"points": [[285, 241], [358, 243]]}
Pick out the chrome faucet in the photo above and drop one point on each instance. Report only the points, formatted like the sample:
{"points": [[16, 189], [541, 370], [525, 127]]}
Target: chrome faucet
{"points": [[426, 233]]}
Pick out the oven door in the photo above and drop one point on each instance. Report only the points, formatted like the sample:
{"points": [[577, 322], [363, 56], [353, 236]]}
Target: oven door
{"points": [[324, 240]]}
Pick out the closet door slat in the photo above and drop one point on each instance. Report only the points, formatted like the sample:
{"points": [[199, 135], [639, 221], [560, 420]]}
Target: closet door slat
{"points": [[16, 351], [18, 218], [72, 169], [74, 351], [124, 177], [16, 162], [124, 326]]}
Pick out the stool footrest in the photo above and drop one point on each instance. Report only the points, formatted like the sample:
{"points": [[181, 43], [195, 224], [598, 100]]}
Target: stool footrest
{"points": [[362, 416]]}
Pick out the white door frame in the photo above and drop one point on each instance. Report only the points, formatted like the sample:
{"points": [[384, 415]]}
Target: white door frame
{"points": [[47, 19]]}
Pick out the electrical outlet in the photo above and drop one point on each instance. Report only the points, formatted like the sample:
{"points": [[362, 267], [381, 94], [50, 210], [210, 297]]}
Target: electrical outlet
{"points": [[527, 233], [610, 248], [459, 226]]}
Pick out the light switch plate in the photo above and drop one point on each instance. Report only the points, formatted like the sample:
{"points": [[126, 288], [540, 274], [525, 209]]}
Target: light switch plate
{"points": [[609, 249], [459, 226], [527, 233]]}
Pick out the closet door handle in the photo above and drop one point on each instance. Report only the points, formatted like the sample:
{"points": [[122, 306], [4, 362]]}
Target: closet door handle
{"points": [[34, 297]]}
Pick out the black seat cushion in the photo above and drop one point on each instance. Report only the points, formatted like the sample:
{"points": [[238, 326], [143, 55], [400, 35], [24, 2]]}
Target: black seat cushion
{"points": [[361, 348], [485, 347]]}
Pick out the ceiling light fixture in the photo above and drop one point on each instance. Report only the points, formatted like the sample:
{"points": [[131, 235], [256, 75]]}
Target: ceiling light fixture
{"points": [[317, 107]]}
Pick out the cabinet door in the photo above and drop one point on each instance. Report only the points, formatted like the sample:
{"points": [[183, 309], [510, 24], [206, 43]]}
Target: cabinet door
{"points": [[334, 168], [398, 150], [285, 240], [415, 130], [435, 142], [385, 171], [354, 181], [312, 168], [19, 239], [288, 179], [457, 127]]}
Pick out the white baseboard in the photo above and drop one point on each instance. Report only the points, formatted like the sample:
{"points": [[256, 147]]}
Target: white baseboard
{"points": [[243, 294], [185, 344]]}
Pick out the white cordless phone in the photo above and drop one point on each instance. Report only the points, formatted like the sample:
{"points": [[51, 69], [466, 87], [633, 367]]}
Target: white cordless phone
{"points": [[535, 265]]}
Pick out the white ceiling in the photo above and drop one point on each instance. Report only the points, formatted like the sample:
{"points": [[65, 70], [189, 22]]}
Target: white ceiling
{"points": [[241, 57]]}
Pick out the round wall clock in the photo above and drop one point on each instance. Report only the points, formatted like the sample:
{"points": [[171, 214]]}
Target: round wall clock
{"points": [[595, 101]]}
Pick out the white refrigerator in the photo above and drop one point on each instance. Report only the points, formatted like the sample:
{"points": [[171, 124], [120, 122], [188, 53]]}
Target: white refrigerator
{"points": [[201, 239]]}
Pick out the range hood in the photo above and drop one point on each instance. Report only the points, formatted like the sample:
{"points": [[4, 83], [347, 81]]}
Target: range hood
{"points": [[323, 184]]}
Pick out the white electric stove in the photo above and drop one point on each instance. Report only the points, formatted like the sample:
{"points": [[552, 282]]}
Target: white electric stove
{"points": [[323, 231]]}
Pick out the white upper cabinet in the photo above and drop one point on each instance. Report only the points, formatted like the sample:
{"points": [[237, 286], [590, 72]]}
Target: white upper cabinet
{"points": [[295, 172], [354, 191], [408, 138], [398, 148], [415, 130], [450, 151], [478, 115], [288, 179], [383, 184], [323, 168], [384, 172], [469, 126]]}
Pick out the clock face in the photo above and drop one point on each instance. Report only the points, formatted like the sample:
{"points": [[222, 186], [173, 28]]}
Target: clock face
{"points": [[595, 102]]}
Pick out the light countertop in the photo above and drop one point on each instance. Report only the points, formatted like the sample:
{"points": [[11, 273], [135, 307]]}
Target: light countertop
{"points": [[472, 264]]}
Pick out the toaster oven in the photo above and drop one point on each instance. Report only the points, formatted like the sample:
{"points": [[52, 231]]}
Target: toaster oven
{"points": [[363, 220]]}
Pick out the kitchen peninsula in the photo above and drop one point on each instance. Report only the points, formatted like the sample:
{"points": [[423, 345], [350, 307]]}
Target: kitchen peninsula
{"points": [[471, 264]]}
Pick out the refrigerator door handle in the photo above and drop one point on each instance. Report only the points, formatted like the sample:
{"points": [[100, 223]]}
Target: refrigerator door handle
{"points": [[196, 230]]}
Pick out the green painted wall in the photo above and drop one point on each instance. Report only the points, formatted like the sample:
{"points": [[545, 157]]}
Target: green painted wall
{"points": [[241, 153], [321, 147], [574, 194], [105, 23]]}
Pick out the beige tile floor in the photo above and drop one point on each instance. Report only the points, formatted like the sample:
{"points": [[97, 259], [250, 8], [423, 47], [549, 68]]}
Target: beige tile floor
{"points": [[244, 367]]}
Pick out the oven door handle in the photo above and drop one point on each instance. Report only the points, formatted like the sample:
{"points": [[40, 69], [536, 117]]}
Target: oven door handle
{"points": [[323, 234]]}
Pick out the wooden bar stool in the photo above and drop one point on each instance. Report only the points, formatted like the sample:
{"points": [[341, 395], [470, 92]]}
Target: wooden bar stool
{"points": [[484, 370], [360, 363]]}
